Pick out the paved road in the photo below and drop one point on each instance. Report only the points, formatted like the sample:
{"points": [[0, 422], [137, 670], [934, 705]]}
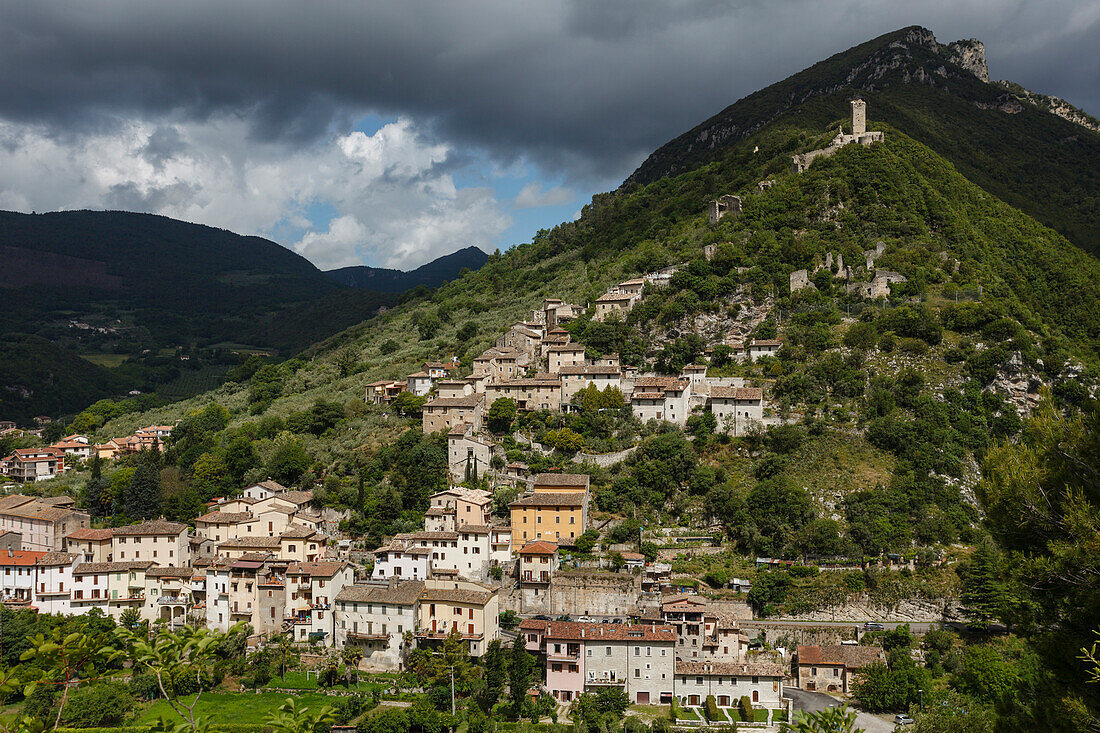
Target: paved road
{"points": [[915, 627], [813, 701]]}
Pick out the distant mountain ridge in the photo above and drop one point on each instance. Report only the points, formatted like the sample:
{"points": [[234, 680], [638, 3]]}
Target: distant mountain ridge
{"points": [[432, 274]]}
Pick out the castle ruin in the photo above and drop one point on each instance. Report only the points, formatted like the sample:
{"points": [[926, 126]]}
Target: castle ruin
{"points": [[860, 135], [724, 205]]}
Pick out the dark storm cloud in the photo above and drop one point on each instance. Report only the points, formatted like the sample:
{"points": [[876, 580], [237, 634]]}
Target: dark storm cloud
{"points": [[587, 88]]}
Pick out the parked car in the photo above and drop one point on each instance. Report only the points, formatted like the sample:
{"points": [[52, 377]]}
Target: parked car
{"points": [[903, 719], [873, 626]]}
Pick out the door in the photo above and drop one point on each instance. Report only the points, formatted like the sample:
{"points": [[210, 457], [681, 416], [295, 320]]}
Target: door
{"points": [[693, 699], [643, 698], [756, 695]]}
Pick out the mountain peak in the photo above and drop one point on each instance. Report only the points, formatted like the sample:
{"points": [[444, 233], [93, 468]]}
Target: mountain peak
{"points": [[910, 55]]}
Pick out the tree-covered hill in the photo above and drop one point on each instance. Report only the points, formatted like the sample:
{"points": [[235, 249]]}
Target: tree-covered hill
{"points": [[429, 275], [998, 135], [117, 286]]}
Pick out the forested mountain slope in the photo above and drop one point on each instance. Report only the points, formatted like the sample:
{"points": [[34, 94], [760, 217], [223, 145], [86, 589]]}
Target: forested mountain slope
{"points": [[430, 275], [999, 135]]}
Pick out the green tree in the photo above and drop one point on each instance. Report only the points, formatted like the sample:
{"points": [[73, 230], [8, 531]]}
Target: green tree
{"points": [[831, 720], [293, 717], [519, 675], [142, 496], [984, 596], [496, 675], [97, 492], [62, 660], [288, 462], [409, 405], [501, 415]]}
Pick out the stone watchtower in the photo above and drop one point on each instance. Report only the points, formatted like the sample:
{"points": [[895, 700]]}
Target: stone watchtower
{"points": [[859, 116]]}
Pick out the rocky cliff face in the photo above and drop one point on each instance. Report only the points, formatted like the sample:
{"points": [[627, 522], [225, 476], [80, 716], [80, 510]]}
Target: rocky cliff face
{"points": [[970, 55]]}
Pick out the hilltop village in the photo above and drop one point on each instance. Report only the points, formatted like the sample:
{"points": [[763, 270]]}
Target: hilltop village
{"points": [[475, 574]]}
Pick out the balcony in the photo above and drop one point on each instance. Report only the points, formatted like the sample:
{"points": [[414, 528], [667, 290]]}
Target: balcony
{"points": [[177, 601], [604, 680], [361, 636], [564, 655]]}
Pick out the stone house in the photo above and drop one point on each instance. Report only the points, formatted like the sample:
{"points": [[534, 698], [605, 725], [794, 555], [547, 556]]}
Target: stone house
{"points": [[564, 355], [614, 302], [310, 590], [220, 526], [586, 657], [522, 338], [761, 682], [556, 511], [17, 576], [832, 668], [661, 398], [453, 388], [93, 545], [404, 559], [542, 392], [161, 541], [419, 383], [263, 490], [471, 608], [537, 561], [463, 506], [501, 363], [375, 617], [383, 392], [468, 455], [437, 369], [736, 409], [445, 413], [53, 582], [576, 378], [42, 524], [763, 347]]}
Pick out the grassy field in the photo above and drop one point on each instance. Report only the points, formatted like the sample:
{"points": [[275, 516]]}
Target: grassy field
{"points": [[236, 708], [110, 361]]}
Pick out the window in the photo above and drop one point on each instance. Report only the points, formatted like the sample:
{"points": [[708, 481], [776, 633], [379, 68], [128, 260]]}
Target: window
{"points": [[637, 651], [637, 673], [608, 654], [589, 652], [836, 671], [698, 680]]}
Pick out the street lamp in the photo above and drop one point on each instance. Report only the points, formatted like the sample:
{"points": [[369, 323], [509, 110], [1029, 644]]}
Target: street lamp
{"points": [[921, 699]]}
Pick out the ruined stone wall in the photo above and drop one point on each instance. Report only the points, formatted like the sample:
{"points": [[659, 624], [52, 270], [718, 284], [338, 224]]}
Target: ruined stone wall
{"points": [[594, 594]]}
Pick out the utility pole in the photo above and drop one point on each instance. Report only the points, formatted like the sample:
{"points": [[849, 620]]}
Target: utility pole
{"points": [[452, 692]]}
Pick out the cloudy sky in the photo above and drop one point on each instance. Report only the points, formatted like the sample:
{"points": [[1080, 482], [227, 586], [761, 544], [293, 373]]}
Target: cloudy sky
{"points": [[389, 133]]}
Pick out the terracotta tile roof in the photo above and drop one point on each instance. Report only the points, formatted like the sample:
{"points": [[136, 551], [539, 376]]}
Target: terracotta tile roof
{"points": [[528, 382], [615, 297], [438, 511], [425, 535], [241, 542], [50, 559], [538, 547], [562, 479], [151, 527], [582, 370], [850, 656], [403, 593], [568, 347], [578, 630], [297, 533], [165, 572], [736, 393], [474, 528], [296, 497], [224, 517], [59, 501], [270, 485], [10, 502], [647, 396], [674, 384], [632, 556], [35, 510], [91, 534], [731, 669], [551, 499], [458, 595], [89, 568], [277, 508], [765, 342], [319, 569], [20, 558], [468, 401]]}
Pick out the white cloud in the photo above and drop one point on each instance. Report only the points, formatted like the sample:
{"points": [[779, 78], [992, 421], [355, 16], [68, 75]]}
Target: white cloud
{"points": [[396, 203], [532, 195], [337, 247]]}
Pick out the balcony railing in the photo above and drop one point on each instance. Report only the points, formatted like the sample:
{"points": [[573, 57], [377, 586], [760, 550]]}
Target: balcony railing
{"points": [[563, 656], [604, 680], [175, 600]]}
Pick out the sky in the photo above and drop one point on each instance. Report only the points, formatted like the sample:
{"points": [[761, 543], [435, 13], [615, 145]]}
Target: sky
{"points": [[391, 133]]}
